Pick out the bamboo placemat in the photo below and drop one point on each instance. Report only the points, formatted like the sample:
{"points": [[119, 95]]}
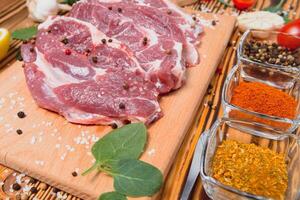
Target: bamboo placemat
{"points": [[13, 14]]}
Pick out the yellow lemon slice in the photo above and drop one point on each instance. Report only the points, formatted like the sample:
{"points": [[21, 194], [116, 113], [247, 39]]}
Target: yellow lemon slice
{"points": [[4, 42]]}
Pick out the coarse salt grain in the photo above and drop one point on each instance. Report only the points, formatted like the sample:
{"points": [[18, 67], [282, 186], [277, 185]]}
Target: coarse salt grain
{"points": [[19, 178], [20, 98], [61, 196], [95, 138], [9, 130], [63, 156], [49, 124], [33, 140], [40, 162], [13, 102], [12, 94], [26, 189], [151, 152], [76, 170]]}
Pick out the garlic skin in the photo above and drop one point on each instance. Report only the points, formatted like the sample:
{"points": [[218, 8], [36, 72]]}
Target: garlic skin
{"points": [[40, 10]]}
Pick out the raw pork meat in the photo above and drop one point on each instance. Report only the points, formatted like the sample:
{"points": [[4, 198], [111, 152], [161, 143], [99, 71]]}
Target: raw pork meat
{"points": [[161, 36], [106, 62], [89, 78]]}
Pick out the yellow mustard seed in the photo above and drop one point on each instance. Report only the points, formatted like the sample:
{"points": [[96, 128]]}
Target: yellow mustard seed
{"points": [[251, 168]]}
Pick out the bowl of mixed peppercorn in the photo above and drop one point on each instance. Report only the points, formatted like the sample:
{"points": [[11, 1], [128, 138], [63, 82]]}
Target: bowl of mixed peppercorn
{"points": [[268, 52], [242, 162], [263, 99]]}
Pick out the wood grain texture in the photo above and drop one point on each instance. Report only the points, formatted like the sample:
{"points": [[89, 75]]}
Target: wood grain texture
{"points": [[206, 114], [35, 152], [184, 2]]}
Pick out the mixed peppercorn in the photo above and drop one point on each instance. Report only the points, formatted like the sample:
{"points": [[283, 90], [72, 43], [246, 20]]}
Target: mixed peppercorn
{"points": [[271, 53]]}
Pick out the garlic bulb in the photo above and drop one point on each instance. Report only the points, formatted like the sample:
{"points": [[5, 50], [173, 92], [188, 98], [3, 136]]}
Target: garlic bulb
{"points": [[40, 10], [261, 20]]}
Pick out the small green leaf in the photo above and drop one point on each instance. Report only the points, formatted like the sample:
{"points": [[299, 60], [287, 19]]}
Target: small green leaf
{"points": [[25, 33], [123, 143], [112, 196], [70, 2], [226, 4], [276, 8], [136, 178], [286, 19]]}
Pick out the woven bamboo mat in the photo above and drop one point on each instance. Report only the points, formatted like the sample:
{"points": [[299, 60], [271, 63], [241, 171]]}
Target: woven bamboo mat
{"points": [[13, 14]]}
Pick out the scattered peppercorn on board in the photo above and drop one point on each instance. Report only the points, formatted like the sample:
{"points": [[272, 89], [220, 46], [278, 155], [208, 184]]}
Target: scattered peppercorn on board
{"points": [[207, 112], [50, 149]]}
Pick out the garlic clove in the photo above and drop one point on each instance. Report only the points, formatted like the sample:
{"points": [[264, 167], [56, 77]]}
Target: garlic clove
{"points": [[39, 10], [260, 20]]}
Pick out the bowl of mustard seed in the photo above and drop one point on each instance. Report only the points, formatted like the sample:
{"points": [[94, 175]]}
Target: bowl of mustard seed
{"points": [[241, 162]]}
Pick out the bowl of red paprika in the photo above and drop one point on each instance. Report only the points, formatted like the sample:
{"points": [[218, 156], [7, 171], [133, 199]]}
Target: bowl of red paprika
{"points": [[264, 99]]}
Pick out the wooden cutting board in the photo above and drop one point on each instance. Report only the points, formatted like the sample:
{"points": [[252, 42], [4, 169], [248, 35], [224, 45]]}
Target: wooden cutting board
{"points": [[48, 149]]}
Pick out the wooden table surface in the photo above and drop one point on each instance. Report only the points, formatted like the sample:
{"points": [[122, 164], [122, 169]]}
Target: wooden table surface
{"points": [[12, 12]]}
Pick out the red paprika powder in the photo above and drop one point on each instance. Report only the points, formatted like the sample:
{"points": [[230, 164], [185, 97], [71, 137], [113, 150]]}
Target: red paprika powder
{"points": [[261, 98]]}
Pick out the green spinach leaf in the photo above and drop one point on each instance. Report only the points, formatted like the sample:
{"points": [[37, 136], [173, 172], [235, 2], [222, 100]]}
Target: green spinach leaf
{"points": [[25, 33], [112, 196], [123, 143], [136, 178], [127, 142]]}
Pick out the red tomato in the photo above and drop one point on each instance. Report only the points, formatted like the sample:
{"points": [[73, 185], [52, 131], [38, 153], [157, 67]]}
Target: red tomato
{"points": [[243, 4], [289, 41]]}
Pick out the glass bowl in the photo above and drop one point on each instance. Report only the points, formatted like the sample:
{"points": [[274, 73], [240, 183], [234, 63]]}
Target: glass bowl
{"points": [[245, 132], [270, 37], [280, 80]]}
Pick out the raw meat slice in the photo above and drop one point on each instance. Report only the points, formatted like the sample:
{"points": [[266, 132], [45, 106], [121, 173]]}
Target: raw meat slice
{"points": [[89, 78], [189, 24], [152, 34]]}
